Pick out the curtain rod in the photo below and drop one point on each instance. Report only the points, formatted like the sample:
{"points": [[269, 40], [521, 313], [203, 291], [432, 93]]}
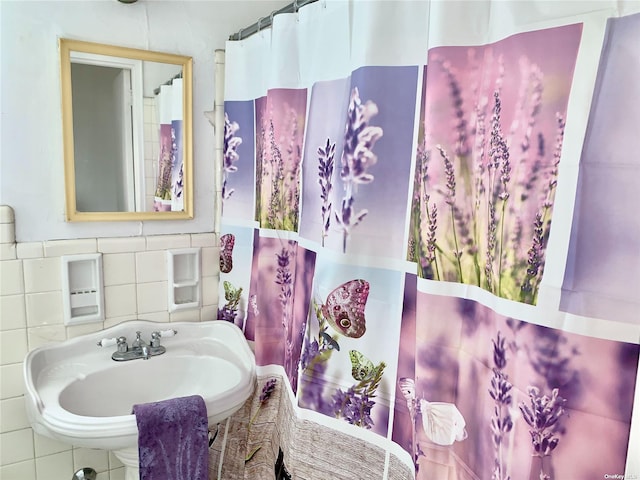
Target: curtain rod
{"points": [[266, 22]]}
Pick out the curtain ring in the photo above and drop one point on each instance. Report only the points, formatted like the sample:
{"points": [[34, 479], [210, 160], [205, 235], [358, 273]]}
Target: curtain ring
{"points": [[271, 17], [295, 6], [240, 34], [259, 23]]}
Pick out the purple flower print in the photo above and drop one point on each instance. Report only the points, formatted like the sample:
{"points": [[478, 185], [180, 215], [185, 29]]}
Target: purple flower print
{"points": [[284, 279], [325, 174], [500, 392], [483, 213], [230, 154], [543, 416], [267, 390], [357, 158]]}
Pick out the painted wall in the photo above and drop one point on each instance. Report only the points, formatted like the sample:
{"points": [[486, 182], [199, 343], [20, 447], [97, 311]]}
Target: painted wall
{"points": [[31, 164], [34, 234]]}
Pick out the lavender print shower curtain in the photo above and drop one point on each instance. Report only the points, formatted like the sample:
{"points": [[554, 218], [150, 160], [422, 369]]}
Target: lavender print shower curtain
{"points": [[168, 192], [428, 224]]}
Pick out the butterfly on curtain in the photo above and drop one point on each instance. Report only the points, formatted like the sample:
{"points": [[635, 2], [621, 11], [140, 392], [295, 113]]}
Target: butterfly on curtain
{"points": [[329, 340], [344, 308], [227, 241], [231, 293], [362, 368], [408, 389], [442, 422]]}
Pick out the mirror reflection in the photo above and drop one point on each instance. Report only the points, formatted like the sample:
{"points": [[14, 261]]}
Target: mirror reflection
{"points": [[127, 132]]}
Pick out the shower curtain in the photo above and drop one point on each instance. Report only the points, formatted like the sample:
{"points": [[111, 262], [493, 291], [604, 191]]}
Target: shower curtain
{"points": [[429, 223], [168, 193]]}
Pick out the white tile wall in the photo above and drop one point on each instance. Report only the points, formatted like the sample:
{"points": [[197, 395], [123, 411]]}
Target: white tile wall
{"points": [[135, 278], [13, 346], [19, 471], [56, 466], [120, 300], [11, 383], [46, 446], [7, 233], [11, 277], [152, 297], [39, 336], [151, 266], [6, 214], [57, 248], [96, 459], [151, 151], [8, 251], [210, 261], [12, 312], [120, 245], [166, 242], [13, 415], [30, 250], [42, 274], [44, 308], [16, 446], [119, 268]]}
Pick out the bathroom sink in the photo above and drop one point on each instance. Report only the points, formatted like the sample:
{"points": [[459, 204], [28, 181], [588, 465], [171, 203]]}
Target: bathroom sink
{"points": [[76, 393], [169, 376]]}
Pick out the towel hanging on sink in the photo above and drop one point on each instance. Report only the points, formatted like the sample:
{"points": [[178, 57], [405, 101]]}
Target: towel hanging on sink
{"points": [[173, 439]]}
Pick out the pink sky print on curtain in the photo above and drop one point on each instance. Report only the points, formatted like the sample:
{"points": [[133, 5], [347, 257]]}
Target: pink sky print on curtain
{"points": [[487, 160], [492, 368], [280, 122]]}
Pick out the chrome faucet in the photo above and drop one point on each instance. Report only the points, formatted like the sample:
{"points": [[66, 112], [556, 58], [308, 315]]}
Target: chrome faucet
{"points": [[139, 348]]}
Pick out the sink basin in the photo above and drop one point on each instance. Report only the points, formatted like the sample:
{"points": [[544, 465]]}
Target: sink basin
{"points": [[77, 394], [128, 384]]}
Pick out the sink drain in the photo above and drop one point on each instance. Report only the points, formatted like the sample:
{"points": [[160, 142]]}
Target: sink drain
{"points": [[86, 473]]}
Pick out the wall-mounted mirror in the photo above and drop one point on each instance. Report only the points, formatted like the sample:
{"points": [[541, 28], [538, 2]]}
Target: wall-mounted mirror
{"points": [[126, 118]]}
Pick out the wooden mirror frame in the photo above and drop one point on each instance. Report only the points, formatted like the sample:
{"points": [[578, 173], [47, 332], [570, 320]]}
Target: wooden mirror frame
{"points": [[66, 47]]}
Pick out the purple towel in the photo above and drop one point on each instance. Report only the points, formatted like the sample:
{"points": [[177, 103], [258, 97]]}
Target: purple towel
{"points": [[173, 439]]}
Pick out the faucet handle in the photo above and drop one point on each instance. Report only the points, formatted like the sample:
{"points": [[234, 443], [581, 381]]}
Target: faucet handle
{"points": [[155, 339], [138, 340], [122, 344], [107, 342]]}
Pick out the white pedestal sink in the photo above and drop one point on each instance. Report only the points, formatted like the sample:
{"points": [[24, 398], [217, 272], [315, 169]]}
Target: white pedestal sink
{"points": [[75, 392]]}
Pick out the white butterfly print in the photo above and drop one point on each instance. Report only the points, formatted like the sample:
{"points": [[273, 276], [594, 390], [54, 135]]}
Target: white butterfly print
{"points": [[442, 422], [408, 389]]}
